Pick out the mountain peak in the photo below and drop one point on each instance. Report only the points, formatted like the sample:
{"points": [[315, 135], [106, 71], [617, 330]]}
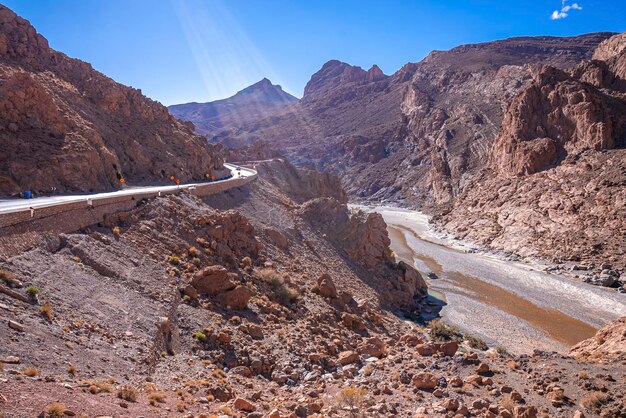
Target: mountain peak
{"points": [[266, 92]]}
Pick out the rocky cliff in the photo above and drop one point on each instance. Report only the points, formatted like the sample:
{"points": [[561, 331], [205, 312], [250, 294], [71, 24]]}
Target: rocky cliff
{"points": [[67, 127], [555, 183]]}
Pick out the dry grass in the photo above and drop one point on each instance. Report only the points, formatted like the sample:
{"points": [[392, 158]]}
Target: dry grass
{"points": [[116, 231], [174, 260], [280, 292], [30, 372], [583, 375], [180, 406], [595, 401], [513, 365], [128, 393], [440, 331], [476, 343], [55, 410], [46, 311], [352, 398], [156, 397], [8, 278], [71, 369], [193, 252]]}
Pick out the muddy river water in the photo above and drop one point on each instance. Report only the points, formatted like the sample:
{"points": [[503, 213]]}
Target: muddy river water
{"points": [[506, 303]]}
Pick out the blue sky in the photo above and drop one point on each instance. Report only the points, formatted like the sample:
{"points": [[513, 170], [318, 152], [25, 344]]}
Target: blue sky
{"points": [[199, 50]]}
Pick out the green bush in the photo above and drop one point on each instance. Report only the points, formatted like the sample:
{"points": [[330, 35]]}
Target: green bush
{"points": [[32, 290]]}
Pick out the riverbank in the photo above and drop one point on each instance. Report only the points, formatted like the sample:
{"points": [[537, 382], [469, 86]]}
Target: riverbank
{"points": [[505, 302]]}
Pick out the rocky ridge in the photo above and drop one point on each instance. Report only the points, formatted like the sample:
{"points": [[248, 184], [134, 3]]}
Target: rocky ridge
{"points": [[67, 128]]}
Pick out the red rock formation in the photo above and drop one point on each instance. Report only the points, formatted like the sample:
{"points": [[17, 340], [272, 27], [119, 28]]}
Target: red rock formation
{"points": [[557, 180], [608, 344], [67, 126]]}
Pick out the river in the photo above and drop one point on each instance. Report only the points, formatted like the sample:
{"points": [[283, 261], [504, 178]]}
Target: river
{"points": [[506, 303]]}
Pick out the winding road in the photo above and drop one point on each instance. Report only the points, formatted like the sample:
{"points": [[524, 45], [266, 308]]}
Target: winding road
{"points": [[19, 205]]}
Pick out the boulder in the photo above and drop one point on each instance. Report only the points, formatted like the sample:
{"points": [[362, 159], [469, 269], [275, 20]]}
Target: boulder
{"points": [[373, 347], [326, 287], [424, 380], [212, 280], [237, 298], [348, 357], [448, 349]]}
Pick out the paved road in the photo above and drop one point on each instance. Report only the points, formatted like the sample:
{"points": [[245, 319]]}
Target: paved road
{"points": [[18, 205]]}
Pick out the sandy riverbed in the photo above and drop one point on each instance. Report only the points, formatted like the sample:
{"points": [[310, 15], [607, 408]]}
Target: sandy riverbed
{"points": [[506, 303]]}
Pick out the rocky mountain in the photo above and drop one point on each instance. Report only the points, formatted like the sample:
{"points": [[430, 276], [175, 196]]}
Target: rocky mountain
{"points": [[431, 134], [65, 126], [558, 166], [252, 103]]}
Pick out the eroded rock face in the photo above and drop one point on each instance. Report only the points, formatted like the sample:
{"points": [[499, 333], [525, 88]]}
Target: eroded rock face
{"points": [[558, 115], [609, 343], [364, 237], [556, 184], [67, 126]]}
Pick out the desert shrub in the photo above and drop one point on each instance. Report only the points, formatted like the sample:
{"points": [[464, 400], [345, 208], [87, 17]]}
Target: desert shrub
{"points": [[583, 375], [280, 292], [32, 290], [30, 372], [199, 336], [595, 401], [476, 343], [174, 260], [1, 366], [104, 386], [513, 365], [193, 252], [8, 278], [180, 406], [196, 261], [128, 393], [46, 310], [502, 352], [71, 369], [155, 397], [55, 410], [116, 231], [352, 398], [440, 331]]}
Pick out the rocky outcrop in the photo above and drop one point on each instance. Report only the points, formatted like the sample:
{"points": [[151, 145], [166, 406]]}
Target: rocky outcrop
{"points": [[364, 238], [609, 344], [66, 127], [301, 184], [559, 169], [559, 114]]}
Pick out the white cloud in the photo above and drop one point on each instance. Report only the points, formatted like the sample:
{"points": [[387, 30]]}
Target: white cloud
{"points": [[565, 9]]}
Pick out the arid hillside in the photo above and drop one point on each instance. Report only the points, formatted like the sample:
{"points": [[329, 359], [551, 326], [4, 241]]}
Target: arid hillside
{"points": [[535, 119], [555, 184], [273, 300], [66, 127]]}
